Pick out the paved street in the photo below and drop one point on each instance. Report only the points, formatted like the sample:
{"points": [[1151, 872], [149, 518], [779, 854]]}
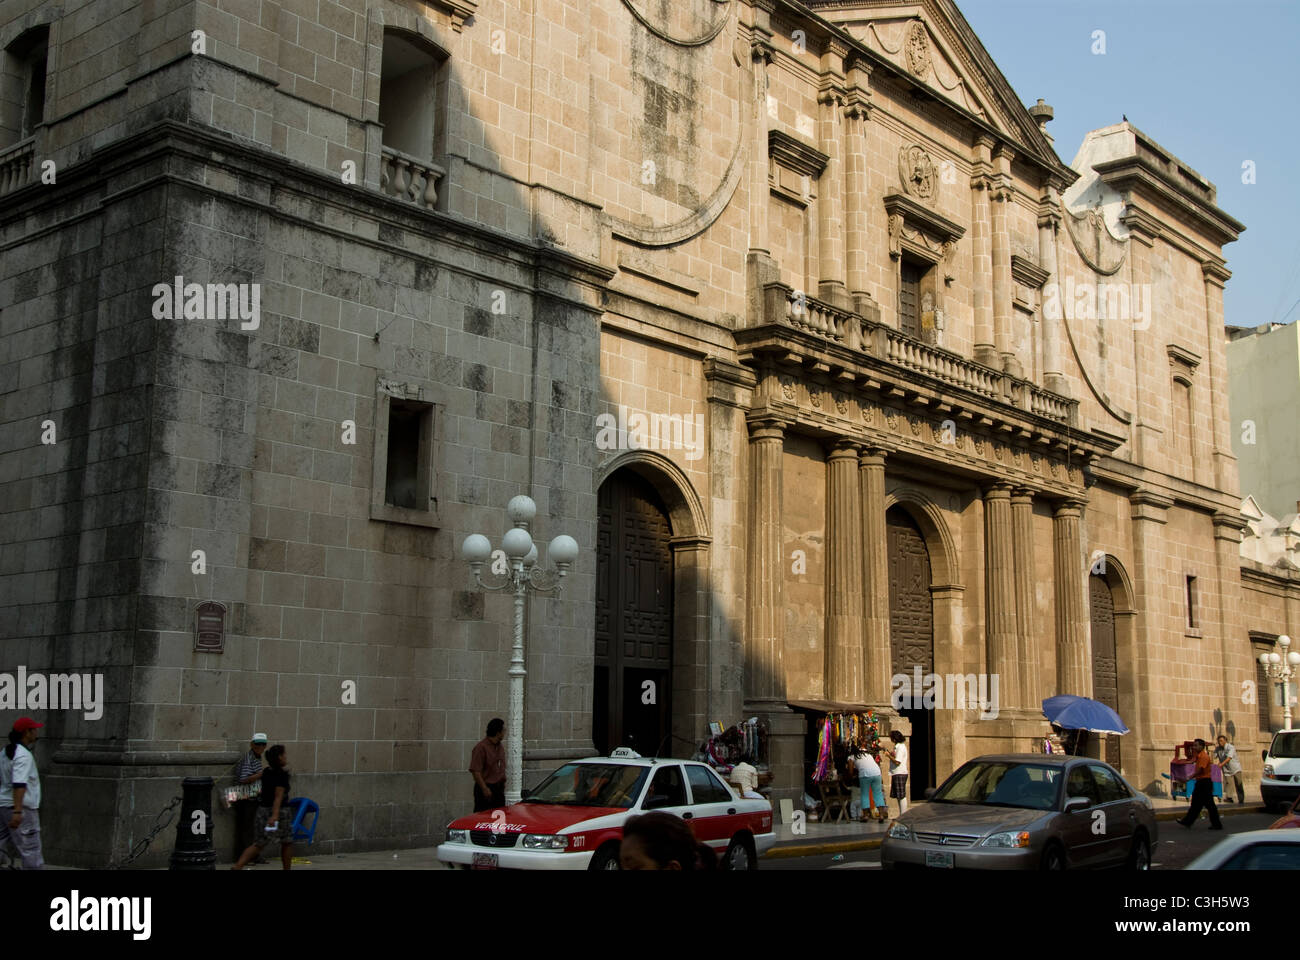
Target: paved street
{"points": [[1177, 847]]}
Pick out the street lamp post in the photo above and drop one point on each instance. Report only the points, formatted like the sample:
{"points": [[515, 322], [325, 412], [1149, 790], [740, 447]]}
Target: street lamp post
{"points": [[1283, 667], [524, 575]]}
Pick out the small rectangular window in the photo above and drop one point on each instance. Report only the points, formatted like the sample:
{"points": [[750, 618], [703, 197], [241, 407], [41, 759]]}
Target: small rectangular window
{"points": [[1191, 602], [403, 486]]}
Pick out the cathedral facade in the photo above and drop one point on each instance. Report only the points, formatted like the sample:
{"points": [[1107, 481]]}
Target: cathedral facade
{"points": [[789, 313]]}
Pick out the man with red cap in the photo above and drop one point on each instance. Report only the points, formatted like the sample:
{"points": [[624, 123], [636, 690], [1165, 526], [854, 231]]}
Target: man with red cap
{"points": [[20, 794]]}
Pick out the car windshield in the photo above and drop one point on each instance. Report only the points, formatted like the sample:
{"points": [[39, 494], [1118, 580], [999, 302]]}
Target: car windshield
{"points": [[591, 785], [1285, 745], [1003, 783]]}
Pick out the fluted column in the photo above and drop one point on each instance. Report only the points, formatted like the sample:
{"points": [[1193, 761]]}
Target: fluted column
{"points": [[1073, 654], [1000, 579], [1022, 535], [844, 580], [761, 52], [879, 660], [1216, 275], [765, 616]]}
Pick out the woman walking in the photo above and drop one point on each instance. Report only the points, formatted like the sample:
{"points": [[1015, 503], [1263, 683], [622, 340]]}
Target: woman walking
{"points": [[271, 822]]}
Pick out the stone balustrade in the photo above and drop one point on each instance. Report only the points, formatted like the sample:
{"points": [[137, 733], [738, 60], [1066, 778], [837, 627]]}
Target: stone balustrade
{"points": [[405, 177], [796, 309], [17, 165]]}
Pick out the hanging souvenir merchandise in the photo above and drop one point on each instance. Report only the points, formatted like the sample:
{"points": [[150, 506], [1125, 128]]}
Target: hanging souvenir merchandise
{"points": [[842, 731], [745, 740]]}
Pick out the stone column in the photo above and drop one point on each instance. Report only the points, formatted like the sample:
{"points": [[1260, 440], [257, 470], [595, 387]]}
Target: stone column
{"points": [[1000, 577], [857, 114], [1073, 653], [765, 616], [830, 193], [1216, 275], [982, 252], [1152, 601], [1022, 535], [761, 269], [844, 583], [879, 658], [1049, 223], [1002, 319]]}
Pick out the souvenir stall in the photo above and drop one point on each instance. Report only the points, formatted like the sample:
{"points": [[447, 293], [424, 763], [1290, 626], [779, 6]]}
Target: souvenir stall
{"points": [[834, 729], [739, 754]]}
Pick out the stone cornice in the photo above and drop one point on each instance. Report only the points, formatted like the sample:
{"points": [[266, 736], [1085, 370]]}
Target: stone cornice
{"points": [[793, 154], [1215, 272], [1179, 354], [1024, 270], [916, 215], [1139, 176]]}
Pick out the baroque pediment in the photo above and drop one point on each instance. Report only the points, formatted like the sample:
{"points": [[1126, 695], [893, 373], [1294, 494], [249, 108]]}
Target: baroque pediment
{"points": [[934, 45]]}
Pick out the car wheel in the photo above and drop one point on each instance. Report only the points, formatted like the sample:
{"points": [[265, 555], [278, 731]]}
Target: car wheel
{"points": [[606, 858], [740, 855], [1139, 857], [1053, 858]]}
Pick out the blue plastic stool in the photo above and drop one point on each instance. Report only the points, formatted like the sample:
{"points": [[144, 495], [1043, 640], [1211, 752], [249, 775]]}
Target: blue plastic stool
{"points": [[304, 807]]}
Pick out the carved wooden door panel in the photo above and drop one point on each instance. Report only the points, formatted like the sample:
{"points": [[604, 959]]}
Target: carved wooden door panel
{"points": [[1105, 678], [911, 621], [634, 617]]}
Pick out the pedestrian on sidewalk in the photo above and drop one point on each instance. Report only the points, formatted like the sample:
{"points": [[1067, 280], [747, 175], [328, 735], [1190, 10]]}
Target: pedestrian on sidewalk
{"points": [[897, 770], [1226, 758], [249, 772], [487, 765], [20, 794], [272, 821], [1203, 791], [869, 781]]}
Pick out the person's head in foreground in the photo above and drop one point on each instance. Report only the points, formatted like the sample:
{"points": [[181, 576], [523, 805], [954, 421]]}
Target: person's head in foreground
{"points": [[660, 841]]}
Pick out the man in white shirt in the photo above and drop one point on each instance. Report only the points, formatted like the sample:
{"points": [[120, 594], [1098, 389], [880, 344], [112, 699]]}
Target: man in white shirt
{"points": [[745, 779], [898, 770], [20, 794]]}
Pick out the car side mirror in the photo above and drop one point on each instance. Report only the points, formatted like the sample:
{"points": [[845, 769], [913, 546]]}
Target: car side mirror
{"points": [[1263, 754], [929, 793], [525, 793], [1074, 804]]}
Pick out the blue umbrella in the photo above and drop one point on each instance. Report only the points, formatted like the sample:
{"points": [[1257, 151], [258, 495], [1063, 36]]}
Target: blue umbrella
{"points": [[1080, 713]]}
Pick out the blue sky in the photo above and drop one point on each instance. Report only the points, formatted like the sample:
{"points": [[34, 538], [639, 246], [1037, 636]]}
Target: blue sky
{"points": [[1215, 83]]}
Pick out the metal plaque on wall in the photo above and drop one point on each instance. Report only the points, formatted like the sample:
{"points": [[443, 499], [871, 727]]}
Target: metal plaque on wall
{"points": [[210, 627]]}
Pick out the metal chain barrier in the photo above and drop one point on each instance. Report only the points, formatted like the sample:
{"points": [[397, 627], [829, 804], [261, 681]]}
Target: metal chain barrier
{"points": [[138, 850]]}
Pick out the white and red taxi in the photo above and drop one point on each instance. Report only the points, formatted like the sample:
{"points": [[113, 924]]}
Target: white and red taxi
{"points": [[574, 819]]}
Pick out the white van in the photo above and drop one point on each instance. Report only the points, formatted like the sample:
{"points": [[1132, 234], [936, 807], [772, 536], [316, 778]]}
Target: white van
{"points": [[1281, 780]]}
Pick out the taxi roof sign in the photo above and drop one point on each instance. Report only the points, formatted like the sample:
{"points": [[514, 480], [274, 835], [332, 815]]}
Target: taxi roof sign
{"points": [[626, 752]]}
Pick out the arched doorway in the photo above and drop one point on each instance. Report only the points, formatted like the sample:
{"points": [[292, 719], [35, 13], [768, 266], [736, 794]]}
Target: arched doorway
{"points": [[911, 634], [634, 618], [1105, 673]]}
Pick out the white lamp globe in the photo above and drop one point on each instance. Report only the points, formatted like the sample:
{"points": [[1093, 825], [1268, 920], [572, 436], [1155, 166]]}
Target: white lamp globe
{"points": [[1293, 658], [1284, 640], [521, 509], [1274, 658], [476, 548], [532, 556], [562, 550], [517, 543], [1263, 658]]}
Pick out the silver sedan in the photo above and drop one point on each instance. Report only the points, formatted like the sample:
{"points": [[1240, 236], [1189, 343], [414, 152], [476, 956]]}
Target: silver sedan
{"points": [[1026, 812]]}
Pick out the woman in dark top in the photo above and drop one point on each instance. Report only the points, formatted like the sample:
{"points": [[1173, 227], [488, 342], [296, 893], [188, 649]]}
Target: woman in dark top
{"points": [[269, 823]]}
